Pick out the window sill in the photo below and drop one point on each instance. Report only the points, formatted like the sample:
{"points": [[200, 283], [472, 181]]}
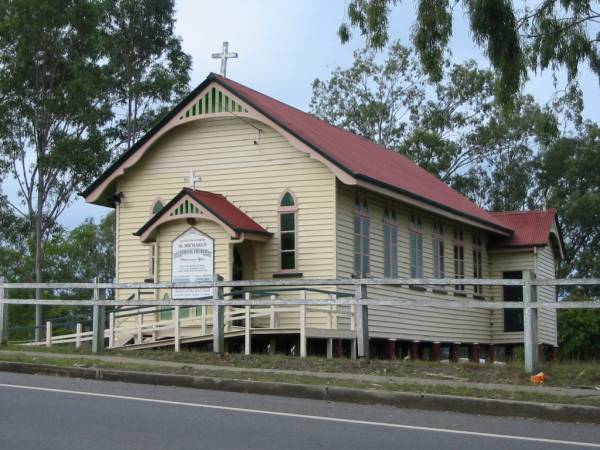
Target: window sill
{"points": [[417, 288], [358, 276], [287, 275]]}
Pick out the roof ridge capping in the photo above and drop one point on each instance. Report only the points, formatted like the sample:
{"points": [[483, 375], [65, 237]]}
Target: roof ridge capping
{"points": [[533, 211]]}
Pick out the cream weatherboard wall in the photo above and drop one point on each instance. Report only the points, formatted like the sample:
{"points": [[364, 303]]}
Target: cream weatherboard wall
{"points": [[507, 261], [435, 324], [427, 324], [546, 268], [541, 261], [251, 170]]}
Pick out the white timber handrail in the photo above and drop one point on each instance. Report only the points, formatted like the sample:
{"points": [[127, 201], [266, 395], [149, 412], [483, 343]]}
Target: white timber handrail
{"points": [[249, 308]]}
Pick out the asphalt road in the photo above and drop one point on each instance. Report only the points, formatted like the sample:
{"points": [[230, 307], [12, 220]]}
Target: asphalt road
{"points": [[40, 412]]}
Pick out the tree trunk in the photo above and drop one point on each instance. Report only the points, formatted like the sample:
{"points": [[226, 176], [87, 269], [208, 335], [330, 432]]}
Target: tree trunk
{"points": [[39, 250]]}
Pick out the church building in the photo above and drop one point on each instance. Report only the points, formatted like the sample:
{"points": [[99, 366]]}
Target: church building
{"points": [[235, 183]]}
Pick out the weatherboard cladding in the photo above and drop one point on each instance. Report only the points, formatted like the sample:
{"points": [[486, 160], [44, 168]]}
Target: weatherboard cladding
{"points": [[355, 155], [422, 323]]}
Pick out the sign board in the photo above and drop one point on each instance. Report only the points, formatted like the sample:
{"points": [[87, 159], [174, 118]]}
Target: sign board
{"points": [[192, 260]]}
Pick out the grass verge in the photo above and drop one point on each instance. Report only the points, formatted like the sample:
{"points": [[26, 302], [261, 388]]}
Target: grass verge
{"points": [[558, 374], [311, 380]]}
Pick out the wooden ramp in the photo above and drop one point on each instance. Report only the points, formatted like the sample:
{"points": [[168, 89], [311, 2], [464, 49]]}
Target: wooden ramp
{"points": [[241, 332]]}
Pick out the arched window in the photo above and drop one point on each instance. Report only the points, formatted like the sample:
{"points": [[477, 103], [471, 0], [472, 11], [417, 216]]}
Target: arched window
{"points": [[157, 207], [361, 237], [390, 243], [288, 227]]}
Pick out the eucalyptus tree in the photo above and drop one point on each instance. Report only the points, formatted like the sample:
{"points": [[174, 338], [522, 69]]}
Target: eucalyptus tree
{"points": [[67, 68], [377, 100], [55, 92], [569, 176], [515, 36], [148, 68], [455, 128]]}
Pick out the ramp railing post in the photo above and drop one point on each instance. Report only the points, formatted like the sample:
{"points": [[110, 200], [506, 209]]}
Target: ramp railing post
{"points": [[140, 326], [177, 324], [78, 335], [247, 326], [48, 334], [97, 323], [272, 314], [530, 325], [218, 316], [112, 332], [303, 349], [362, 322], [3, 317]]}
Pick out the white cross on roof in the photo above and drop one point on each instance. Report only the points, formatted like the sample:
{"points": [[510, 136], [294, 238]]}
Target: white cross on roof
{"points": [[224, 56]]}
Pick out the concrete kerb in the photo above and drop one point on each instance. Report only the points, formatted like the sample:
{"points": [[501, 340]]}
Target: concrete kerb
{"points": [[431, 402]]}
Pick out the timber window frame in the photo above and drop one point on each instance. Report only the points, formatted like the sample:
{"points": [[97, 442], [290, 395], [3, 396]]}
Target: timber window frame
{"points": [[459, 257], [152, 263], [437, 239], [361, 237], [287, 208], [477, 262], [416, 246], [390, 243]]}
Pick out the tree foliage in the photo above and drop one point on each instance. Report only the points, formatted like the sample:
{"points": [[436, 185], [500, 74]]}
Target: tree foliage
{"points": [[66, 70], [454, 128], [569, 175], [550, 34], [149, 70], [579, 332], [379, 101], [79, 255], [54, 88]]}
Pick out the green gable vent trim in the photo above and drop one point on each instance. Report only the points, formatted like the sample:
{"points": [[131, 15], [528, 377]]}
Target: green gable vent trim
{"points": [[214, 102], [185, 208]]}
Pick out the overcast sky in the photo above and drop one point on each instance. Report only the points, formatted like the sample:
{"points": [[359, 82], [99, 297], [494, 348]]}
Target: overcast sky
{"points": [[284, 45]]}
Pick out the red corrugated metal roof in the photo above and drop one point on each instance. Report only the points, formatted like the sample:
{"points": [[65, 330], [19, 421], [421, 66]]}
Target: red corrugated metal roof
{"points": [[216, 204], [359, 156], [226, 211], [530, 227]]}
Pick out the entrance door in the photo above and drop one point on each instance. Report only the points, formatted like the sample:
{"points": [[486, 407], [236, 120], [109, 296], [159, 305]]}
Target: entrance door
{"points": [[237, 273], [513, 318]]}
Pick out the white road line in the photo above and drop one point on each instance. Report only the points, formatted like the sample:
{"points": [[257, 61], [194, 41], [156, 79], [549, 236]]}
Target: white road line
{"points": [[306, 416]]}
